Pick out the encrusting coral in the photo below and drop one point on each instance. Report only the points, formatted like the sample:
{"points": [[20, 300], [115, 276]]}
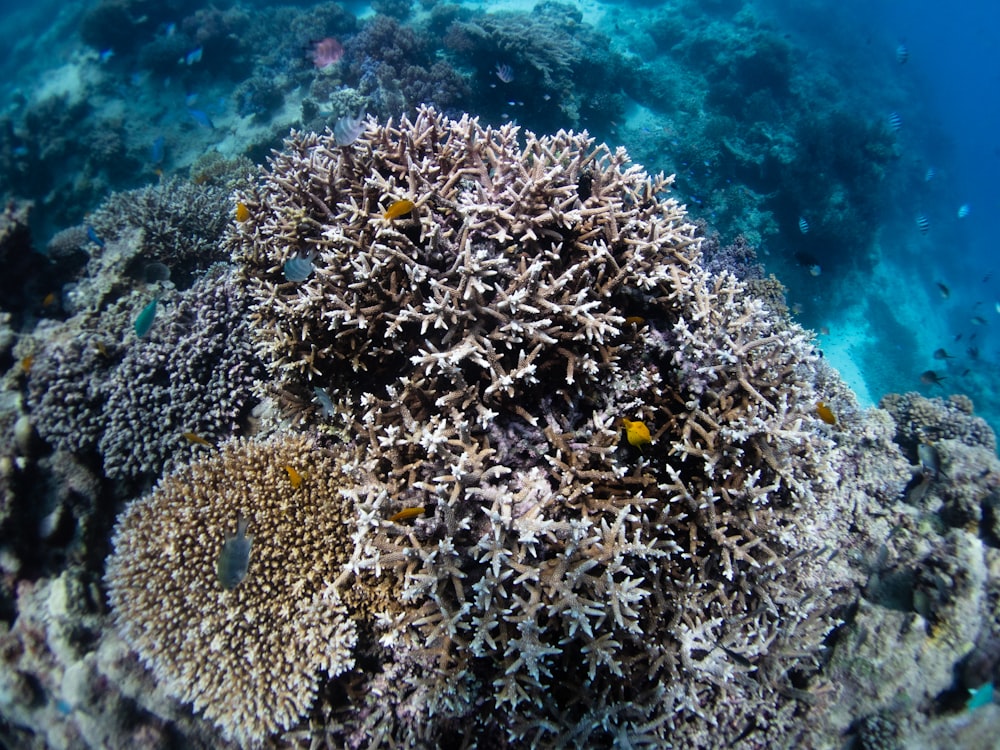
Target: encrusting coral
{"points": [[248, 658], [481, 310]]}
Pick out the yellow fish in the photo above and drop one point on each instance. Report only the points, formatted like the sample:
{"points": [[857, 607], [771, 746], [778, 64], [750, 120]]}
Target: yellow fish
{"points": [[636, 433], [27, 362], [825, 413], [196, 439], [407, 513], [294, 477], [242, 212], [397, 209]]}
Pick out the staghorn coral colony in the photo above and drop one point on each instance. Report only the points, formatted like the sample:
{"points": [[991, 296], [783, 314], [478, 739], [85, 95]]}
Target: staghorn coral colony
{"points": [[444, 525]]}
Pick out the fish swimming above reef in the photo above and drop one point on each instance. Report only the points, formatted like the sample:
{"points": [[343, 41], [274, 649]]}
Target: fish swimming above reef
{"points": [[145, 319], [923, 223], [201, 117], [929, 377], [826, 413], [636, 432], [242, 212], [293, 476], [902, 54], [196, 439], [94, 237], [234, 558], [895, 121], [407, 514], [945, 291], [299, 267], [930, 460], [942, 354], [398, 208], [964, 210], [803, 225]]}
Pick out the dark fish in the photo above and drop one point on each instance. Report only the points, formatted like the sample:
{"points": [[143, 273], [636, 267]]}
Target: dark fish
{"points": [[942, 354], [973, 352], [93, 237], [923, 224], [978, 320], [929, 377], [945, 291], [234, 558]]}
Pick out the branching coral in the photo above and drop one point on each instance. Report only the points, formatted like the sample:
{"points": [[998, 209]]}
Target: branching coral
{"points": [[249, 659], [481, 347]]}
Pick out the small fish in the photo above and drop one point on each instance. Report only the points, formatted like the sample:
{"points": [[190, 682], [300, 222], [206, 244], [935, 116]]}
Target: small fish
{"points": [[504, 72], [973, 352], [929, 174], [298, 268], [407, 514], [930, 460], [201, 118], [902, 53], [815, 270], [170, 29], [234, 558], [324, 401], [102, 349], [398, 208], [27, 362], [977, 320], [49, 299], [964, 210], [157, 149], [349, 128], [636, 321], [942, 354], [997, 308], [155, 271], [105, 55], [636, 432], [242, 212], [958, 337], [895, 121], [192, 56], [93, 237], [929, 377], [294, 477], [196, 439], [923, 223], [943, 288], [144, 320], [803, 225], [979, 697], [826, 413]]}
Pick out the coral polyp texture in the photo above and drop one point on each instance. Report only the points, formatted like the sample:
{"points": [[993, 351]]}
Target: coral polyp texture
{"points": [[248, 658], [481, 306]]}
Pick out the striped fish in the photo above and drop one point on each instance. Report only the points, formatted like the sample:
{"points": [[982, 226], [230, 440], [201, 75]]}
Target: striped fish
{"points": [[923, 224], [895, 121]]}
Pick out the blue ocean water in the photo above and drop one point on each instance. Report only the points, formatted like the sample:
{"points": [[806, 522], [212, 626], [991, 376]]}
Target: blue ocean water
{"points": [[854, 145]]}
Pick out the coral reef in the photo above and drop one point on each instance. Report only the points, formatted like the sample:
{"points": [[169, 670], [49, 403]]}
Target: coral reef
{"points": [[180, 222], [249, 658], [482, 345], [93, 385]]}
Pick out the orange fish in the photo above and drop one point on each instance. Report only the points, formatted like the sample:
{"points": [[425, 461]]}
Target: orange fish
{"points": [[242, 212], [825, 413], [294, 477], [636, 432], [407, 514], [196, 439], [398, 208], [49, 299], [27, 362]]}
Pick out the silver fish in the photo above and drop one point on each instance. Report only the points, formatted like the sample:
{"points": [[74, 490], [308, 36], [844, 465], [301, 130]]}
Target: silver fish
{"points": [[234, 558], [930, 461]]}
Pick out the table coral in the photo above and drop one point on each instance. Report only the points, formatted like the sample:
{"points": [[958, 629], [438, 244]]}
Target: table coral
{"points": [[248, 659]]}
